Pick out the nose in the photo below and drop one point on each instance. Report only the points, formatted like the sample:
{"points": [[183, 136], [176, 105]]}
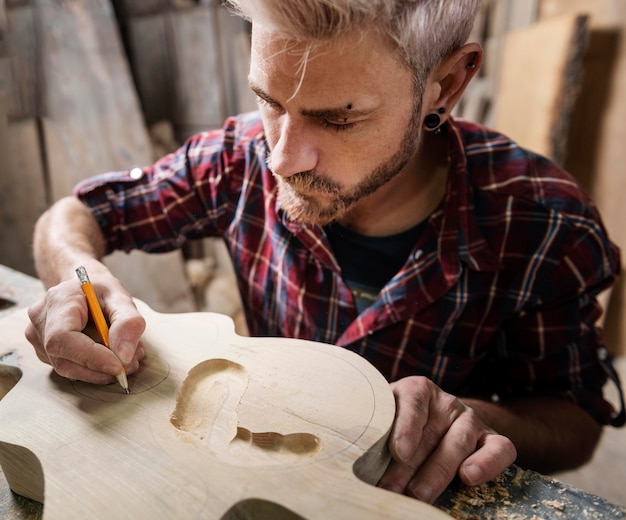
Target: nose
{"points": [[294, 152]]}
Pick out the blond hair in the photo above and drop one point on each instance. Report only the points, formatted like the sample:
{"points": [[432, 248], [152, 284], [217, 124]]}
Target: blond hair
{"points": [[424, 31]]}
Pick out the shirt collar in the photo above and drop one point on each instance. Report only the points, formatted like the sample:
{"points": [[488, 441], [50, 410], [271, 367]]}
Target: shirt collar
{"points": [[460, 238], [460, 235]]}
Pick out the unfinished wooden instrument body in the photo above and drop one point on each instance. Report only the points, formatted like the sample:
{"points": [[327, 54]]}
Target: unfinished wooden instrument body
{"points": [[216, 426]]}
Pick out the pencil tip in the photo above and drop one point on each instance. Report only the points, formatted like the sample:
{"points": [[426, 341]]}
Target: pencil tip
{"points": [[127, 391]]}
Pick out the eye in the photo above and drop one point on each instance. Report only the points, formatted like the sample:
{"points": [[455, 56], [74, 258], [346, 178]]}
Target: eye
{"points": [[268, 104], [338, 126]]}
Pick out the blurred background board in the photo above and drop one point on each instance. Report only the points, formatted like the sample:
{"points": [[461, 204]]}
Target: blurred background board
{"points": [[189, 61], [596, 154], [540, 72], [71, 112]]}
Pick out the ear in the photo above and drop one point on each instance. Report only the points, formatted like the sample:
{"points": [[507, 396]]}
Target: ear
{"points": [[449, 79]]}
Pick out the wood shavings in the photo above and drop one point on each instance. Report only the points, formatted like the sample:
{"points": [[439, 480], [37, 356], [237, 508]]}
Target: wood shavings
{"points": [[555, 504]]}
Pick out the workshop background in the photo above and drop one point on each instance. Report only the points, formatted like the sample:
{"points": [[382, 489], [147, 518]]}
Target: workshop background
{"points": [[88, 86]]}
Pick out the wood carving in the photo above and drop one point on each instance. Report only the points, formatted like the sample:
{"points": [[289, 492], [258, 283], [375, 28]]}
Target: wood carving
{"points": [[216, 426]]}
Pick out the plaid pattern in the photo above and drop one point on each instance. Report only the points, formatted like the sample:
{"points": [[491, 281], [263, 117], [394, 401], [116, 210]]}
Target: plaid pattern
{"points": [[497, 298]]}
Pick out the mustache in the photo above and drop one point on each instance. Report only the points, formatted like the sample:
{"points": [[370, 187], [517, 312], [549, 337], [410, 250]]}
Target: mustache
{"points": [[309, 181]]}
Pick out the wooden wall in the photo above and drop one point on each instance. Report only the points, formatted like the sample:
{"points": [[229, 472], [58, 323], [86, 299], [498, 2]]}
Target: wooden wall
{"points": [[597, 138], [70, 108]]}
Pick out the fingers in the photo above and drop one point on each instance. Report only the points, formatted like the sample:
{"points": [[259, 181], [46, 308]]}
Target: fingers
{"points": [[460, 453], [60, 311], [424, 415], [57, 332], [434, 438], [86, 360], [127, 327], [486, 463]]}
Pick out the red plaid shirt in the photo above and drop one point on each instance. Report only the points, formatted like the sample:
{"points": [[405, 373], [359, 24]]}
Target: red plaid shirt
{"points": [[497, 298]]}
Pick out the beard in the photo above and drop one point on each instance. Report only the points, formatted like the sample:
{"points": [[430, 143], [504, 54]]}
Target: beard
{"points": [[310, 198]]}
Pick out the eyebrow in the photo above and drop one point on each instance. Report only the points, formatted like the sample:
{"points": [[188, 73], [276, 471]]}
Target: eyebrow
{"points": [[314, 113]]}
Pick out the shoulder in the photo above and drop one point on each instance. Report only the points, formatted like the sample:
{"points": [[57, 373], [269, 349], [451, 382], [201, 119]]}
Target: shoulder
{"points": [[498, 165], [520, 194]]}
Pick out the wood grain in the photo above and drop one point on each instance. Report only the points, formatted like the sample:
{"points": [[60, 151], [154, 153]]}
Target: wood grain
{"points": [[538, 83], [217, 425]]}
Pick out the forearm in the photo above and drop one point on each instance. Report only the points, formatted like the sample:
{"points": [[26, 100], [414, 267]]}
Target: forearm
{"points": [[550, 434], [65, 236]]}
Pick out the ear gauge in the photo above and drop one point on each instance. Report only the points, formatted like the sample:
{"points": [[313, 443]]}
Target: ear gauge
{"points": [[472, 64], [432, 121]]}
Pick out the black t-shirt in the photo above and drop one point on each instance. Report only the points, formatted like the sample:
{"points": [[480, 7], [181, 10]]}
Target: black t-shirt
{"points": [[368, 263]]}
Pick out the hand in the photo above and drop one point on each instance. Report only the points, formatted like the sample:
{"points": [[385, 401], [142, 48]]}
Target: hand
{"points": [[436, 437], [59, 318]]}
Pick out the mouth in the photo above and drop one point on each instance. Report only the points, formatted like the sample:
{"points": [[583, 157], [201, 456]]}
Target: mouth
{"points": [[309, 186], [309, 193]]}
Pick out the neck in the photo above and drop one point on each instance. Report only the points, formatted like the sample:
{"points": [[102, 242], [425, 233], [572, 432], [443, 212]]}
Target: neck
{"points": [[408, 198]]}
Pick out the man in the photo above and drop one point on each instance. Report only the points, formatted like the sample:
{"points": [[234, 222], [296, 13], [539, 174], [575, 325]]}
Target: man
{"points": [[358, 212]]}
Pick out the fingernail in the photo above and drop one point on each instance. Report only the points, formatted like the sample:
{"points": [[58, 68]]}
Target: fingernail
{"points": [[422, 492], [404, 449], [392, 487], [111, 369], [126, 352], [472, 474]]}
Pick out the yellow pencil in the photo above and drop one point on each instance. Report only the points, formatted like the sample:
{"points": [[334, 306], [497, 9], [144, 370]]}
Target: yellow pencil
{"points": [[98, 318]]}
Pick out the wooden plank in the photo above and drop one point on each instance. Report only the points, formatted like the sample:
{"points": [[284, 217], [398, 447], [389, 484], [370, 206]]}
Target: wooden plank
{"points": [[92, 119], [4, 167], [199, 80], [149, 39], [216, 426], [234, 39], [519, 494], [140, 7], [495, 20], [538, 82], [21, 44], [22, 180], [133, 8], [607, 9], [597, 155], [521, 13], [22, 194], [91, 122], [177, 68], [190, 66]]}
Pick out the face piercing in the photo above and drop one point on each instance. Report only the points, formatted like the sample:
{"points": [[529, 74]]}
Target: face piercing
{"points": [[472, 64], [432, 121]]}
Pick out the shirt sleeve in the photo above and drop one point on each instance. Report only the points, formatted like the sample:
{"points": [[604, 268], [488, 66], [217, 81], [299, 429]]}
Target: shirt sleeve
{"points": [[188, 194], [554, 346]]}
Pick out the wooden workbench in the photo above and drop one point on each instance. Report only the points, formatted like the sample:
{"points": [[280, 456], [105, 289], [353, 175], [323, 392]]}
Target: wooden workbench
{"points": [[518, 494]]}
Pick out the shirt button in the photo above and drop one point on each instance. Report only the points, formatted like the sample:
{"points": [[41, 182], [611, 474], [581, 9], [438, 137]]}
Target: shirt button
{"points": [[136, 173]]}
